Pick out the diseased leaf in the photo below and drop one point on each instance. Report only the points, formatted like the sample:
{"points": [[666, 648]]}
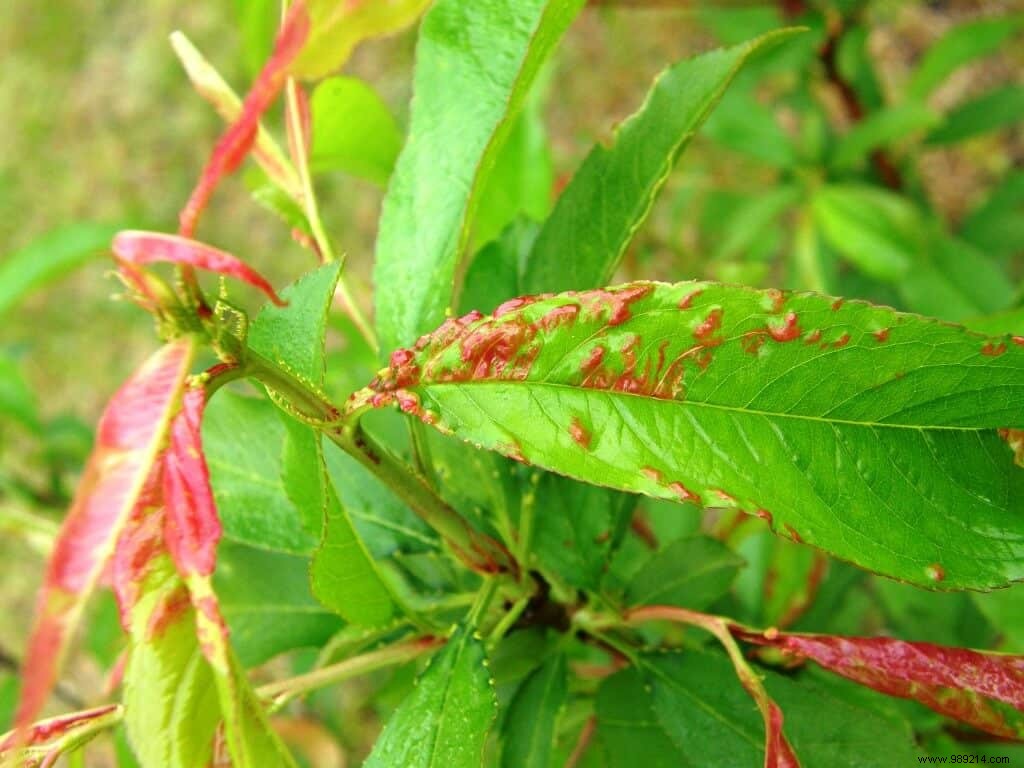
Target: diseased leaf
{"points": [[241, 134], [699, 392], [475, 63], [170, 699], [266, 600], [691, 572], [50, 257], [213, 88], [191, 533], [688, 710], [132, 249], [129, 437], [445, 721], [353, 130], [961, 45], [337, 28], [610, 195], [972, 686], [529, 732]]}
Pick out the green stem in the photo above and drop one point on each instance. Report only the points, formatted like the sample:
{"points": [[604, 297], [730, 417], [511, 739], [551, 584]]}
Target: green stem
{"points": [[508, 620], [283, 691], [312, 210], [478, 551]]}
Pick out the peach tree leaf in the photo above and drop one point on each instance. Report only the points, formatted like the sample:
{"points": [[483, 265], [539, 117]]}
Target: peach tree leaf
{"points": [[444, 722], [475, 63], [981, 688], [868, 433], [129, 439], [597, 214]]}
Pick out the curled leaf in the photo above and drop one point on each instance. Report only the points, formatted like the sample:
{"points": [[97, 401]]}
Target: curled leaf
{"points": [[134, 248], [129, 438], [971, 686], [238, 139]]}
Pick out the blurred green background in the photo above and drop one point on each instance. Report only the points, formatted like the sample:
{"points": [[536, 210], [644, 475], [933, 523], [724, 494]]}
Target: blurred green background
{"points": [[102, 126]]}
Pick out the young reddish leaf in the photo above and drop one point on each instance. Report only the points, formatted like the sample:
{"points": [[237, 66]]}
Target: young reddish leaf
{"points": [[237, 140], [970, 686], [192, 528], [129, 437], [135, 248]]}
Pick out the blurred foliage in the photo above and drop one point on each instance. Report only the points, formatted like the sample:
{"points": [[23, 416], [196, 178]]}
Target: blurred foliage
{"points": [[879, 156]]}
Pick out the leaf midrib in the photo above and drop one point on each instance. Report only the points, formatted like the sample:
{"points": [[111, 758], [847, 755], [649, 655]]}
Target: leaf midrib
{"points": [[698, 404]]}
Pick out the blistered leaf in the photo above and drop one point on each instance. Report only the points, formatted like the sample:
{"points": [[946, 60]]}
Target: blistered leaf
{"points": [[972, 686], [212, 87], [700, 392], [129, 437], [475, 63], [336, 28], [241, 134], [444, 722], [139, 248]]}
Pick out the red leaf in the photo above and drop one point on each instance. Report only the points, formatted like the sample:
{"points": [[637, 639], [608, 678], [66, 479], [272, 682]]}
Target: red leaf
{"points": [[192, 527], [129, 438], [136, 248], [970, 686], [236, 141]]}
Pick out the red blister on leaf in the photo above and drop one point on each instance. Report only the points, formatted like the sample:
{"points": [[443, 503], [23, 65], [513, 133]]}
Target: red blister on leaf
{"points": [[970, 686], [192, 528], [236, 141], [136, 248], [129, 439]]}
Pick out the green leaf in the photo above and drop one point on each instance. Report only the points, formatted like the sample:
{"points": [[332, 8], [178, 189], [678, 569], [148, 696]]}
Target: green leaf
{"points": [[337, 28], [445, 721], [689, 710], [345, 577], [612, 192], [170, 699], [576, 529], [752, 219], [302, 475], [881, 129], [956, 281], [960, 46], [777, 580], [997, 225], [257, 23], [863, 431], [529, 731], [878, 231], [353, 130], [521, 181], [244, 439], [1004, 610], [743, 124], [17, 401], [266, 600], [51, 257], [493, 275], [475, 63], [996, 109], [293, 335], [692, 573]]}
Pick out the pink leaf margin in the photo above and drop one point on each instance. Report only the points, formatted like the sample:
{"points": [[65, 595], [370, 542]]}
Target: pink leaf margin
{"points": [[136, 248], [129, 440], [964, 684]]}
